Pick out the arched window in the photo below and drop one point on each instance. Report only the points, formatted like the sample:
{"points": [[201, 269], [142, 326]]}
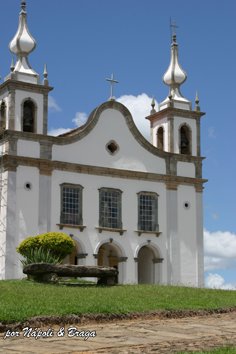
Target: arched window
{"points": [[185, 140], [28, 116], [160, 138], [3, 115]]}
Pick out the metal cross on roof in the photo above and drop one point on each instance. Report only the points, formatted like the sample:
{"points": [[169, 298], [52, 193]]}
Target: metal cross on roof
{"points": [[173, 27], [112, 82]]}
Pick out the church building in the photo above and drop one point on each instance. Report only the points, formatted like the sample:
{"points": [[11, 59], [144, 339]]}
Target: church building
{"points": [[126, 202]]}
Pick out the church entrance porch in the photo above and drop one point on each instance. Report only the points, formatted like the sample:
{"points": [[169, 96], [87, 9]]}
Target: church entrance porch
{"points": [[148, 266], [110, 255]]}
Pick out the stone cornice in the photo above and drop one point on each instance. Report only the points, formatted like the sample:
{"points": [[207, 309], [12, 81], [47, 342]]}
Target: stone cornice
{"points": [[170, 112], [46, 167], [8, 135], [10, 85]]}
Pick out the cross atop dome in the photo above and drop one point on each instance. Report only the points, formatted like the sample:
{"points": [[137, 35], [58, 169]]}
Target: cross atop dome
{"points": [[173, 27]]}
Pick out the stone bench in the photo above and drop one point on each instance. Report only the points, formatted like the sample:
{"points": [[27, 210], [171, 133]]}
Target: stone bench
{"points": [[46, 272]]}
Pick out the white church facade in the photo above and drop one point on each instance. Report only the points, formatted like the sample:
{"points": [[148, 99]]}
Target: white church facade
{"points": [[126, 202]]}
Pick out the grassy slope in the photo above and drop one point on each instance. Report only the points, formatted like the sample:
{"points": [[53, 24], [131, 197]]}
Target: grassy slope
{"points": [[227, 350], [20, 300]]}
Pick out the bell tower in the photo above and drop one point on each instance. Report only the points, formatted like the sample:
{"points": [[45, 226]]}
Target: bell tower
{"points": [[175, 127], [23, 98]]}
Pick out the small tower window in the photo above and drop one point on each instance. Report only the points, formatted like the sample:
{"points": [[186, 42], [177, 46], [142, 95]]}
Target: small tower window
{"points": [[28, 116], [160, 138], [3, 115], [185, 140]]}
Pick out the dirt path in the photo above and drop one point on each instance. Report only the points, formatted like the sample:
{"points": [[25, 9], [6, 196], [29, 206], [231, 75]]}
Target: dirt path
{"points": [[129, 336]]}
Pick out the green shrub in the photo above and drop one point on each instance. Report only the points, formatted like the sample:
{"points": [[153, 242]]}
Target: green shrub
{"points": [[58, 243], [40, 255]]}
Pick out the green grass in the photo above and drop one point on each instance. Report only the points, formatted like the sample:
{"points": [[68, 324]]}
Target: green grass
{"points": [[22, 299], [226, 350]]}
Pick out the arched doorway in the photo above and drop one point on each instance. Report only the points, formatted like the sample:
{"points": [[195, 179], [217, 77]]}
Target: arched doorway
{"points": [[72, 258], [146, 265], [109, 255]]}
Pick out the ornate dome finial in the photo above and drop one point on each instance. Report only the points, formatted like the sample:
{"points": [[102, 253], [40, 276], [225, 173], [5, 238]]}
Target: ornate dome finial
{"points": [[45, 75], [23, 44], [12, 64], [197, 107], [175, 75], [153, 106], [23, 5]]}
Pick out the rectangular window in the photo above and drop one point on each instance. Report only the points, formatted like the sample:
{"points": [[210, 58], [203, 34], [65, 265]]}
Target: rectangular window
{"points": [[110, 208], [147, 211], [71, 204]]}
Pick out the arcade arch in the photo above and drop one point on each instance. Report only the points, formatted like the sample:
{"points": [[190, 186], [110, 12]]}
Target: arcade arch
{"points": [[149, 265]]}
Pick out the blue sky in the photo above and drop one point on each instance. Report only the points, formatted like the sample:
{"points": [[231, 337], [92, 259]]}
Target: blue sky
{"points": [[84, 41]]}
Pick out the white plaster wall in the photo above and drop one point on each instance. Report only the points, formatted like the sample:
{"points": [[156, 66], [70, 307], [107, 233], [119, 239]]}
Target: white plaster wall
{"points": [[172, 238], [91, 150], [27, 202], [3, 214], [192, 124], [38, 99], [187, 235], [22, 218], [3, 148], [186, 169], [28, 148], [199, 236], [4, 96], [90, 239], [182, 105], [11, 260]]}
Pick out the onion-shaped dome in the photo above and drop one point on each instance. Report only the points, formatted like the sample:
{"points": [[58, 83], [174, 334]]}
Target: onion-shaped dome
{"points": [[22, 45], [175, 75], [23, 42]]}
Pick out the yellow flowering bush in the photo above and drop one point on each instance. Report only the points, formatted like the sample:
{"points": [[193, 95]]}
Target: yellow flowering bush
{"points": [[58, 244]]}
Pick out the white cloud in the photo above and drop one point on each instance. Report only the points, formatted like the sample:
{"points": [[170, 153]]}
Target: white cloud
{"points": [[215, 216], [211, 133], [58, 131], [80, 118], [220, 243], [53, 105], [220, 250], [139, 106], [216, 281]]}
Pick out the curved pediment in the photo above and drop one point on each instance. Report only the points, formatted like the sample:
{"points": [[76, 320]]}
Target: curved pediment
{"points": [[81, 132]]}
